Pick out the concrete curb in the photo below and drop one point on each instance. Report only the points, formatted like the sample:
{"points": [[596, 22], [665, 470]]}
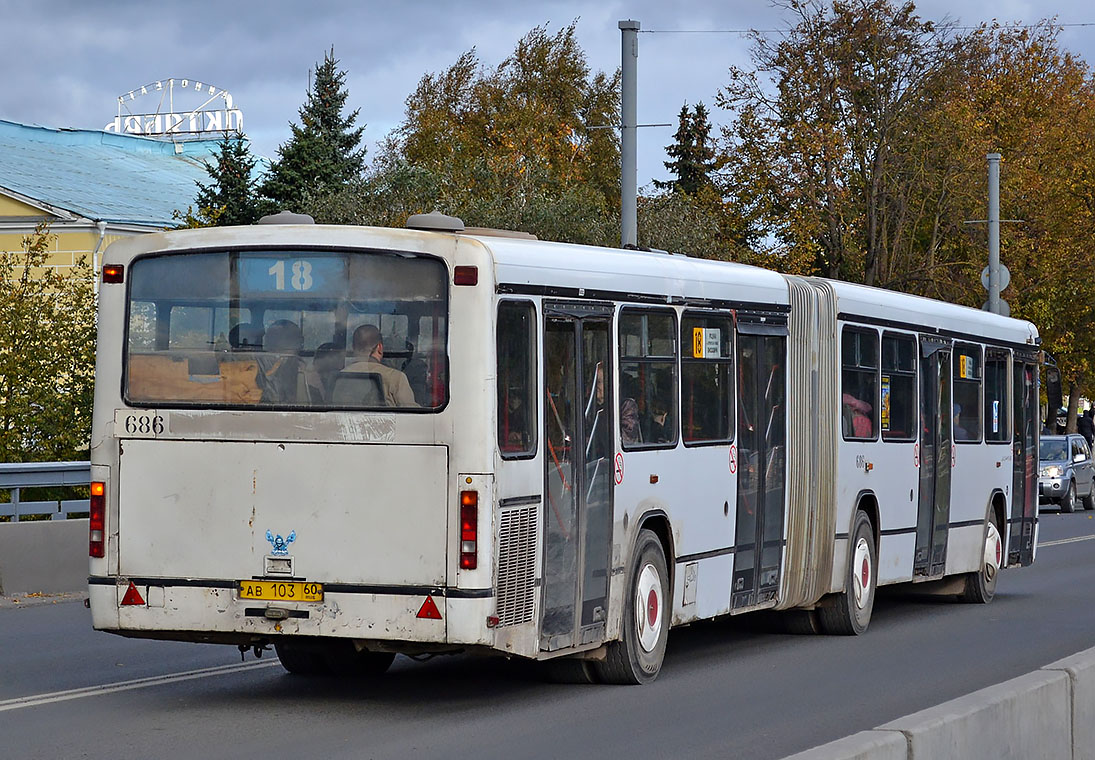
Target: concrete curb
{"points": [[1048, 714]]}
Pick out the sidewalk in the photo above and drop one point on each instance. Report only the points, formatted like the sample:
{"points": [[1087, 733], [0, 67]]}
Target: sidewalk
{"points": [[38, 598]]}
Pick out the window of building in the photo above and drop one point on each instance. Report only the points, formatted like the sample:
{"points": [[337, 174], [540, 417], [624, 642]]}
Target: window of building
{"points": [[648, 378], [859, 384], [967, 370], [898, 388], [516, 349], [707, 379]]}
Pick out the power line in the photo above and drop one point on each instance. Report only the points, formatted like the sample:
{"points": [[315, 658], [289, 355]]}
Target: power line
{"points": [[781, 31]]}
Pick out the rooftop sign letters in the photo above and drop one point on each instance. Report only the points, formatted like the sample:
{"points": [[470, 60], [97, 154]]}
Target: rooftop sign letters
{"points": [[209, 116]]}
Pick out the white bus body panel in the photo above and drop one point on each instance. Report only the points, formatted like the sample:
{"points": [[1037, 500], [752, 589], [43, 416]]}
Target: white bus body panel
{"points": [[204, 508]]}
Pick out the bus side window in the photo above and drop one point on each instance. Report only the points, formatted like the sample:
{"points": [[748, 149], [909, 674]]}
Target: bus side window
{"points": [[516, 379], [898, 390], [997, 408], [648, 376], [967, 392], [859, 384]]}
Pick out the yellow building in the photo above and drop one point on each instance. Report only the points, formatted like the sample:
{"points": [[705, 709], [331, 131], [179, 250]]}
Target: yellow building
{"points": [[93, 187]]}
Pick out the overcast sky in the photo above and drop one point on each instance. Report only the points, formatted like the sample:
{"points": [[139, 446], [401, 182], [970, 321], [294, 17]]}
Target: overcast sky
{"points": [[67, 62]]}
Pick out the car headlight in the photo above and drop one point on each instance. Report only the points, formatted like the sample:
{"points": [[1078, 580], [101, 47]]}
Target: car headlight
{"points": [[1052, 471]]}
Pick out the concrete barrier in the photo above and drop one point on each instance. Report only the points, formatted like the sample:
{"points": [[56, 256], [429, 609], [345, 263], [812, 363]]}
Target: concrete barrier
{"points": [[1081, 670], [866, 745], [1024, 718], [1048, 714], [48, 556]]}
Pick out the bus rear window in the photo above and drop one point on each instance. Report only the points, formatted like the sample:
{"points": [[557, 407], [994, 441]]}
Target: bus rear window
{"points": [[288, 329]]}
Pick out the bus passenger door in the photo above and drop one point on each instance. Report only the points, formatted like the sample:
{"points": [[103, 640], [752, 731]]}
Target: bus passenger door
{"points": [[934, 506], [761, 463], [1024, 483], [578, 474]]}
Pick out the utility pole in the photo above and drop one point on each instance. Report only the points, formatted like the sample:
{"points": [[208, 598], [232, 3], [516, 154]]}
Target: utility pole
{"points": [[994, 234], [995, 277], [629, 57]]}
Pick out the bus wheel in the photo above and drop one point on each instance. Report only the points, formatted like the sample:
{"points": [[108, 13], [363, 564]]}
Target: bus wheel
{"points": [[568, 670], [981, 585], [849, 613], [301, 658], [343, 658], [637, 658]]}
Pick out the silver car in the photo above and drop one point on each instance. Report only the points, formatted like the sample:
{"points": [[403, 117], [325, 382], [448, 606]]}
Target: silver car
{"points": [[1065, 470]]}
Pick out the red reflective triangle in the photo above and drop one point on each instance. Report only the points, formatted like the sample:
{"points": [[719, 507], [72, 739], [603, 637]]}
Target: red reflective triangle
{"points": [[429, 610], [132, 596]]}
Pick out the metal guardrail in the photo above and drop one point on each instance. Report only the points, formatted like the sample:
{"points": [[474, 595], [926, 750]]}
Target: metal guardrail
{"points": [[15, 476]]}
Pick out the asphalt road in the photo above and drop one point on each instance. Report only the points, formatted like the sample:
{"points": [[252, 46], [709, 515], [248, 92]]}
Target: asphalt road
{"points": [[729, 689]]}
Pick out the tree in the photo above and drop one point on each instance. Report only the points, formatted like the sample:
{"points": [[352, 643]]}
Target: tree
{"points": [[692, 152], [819, 141], [232, 190], [509, 144], [322, 154], [47, 355]]}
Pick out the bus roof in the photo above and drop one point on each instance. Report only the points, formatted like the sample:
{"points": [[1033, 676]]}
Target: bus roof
{"points": [[862, 301], [618, 271]]}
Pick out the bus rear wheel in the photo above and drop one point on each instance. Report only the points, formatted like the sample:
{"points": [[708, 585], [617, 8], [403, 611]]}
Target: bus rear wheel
{"points": [[339, 657], [637, 657], [849, 612], [981, 585]]}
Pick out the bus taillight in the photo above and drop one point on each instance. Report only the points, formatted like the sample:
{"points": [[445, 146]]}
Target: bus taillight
{"points": [[96, 515], [469, 530]]}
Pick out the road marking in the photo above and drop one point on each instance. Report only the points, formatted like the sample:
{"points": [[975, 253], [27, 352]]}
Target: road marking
{"points": [[1060, 541], [35, 700]]}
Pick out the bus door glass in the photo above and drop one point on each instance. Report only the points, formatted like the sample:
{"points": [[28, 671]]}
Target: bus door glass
{"points": [[761, 462], [1024, 489], [933, 509], [578, 474]]}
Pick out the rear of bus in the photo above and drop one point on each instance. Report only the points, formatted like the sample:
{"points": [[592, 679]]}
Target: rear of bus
{"points": [[255, 481]]}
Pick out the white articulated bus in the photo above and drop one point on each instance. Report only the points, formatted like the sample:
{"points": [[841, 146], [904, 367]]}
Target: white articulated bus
{"points": [[350, 442]]}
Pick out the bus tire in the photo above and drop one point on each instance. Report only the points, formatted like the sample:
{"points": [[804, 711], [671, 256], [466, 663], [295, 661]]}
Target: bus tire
{"points": [[301, 658], [849, 612], [800, 622], [342, 657], [981, 585], [637, 657], [568, 670]]}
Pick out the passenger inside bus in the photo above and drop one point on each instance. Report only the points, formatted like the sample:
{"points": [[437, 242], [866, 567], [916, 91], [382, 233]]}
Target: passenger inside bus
{"points": [[630, 430], [414, 367], [960, 433], [369, 355], [659, 426], [245, 336], [856, 417], [281, 370], [328, 361]]}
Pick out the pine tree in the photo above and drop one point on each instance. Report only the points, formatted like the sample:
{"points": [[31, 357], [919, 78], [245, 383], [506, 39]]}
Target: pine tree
{"points": [[323, 152], [231, 197], [691, 151]]}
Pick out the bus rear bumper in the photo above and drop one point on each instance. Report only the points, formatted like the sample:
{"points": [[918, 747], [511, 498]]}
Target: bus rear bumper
{"points": [[215, 612]]}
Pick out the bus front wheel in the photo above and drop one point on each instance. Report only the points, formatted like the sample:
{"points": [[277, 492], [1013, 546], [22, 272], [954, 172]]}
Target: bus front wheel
{"points": [[849, 612], [637, 657]]}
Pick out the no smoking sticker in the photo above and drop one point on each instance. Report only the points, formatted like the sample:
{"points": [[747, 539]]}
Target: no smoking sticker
{"points": [[733, 458]]}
